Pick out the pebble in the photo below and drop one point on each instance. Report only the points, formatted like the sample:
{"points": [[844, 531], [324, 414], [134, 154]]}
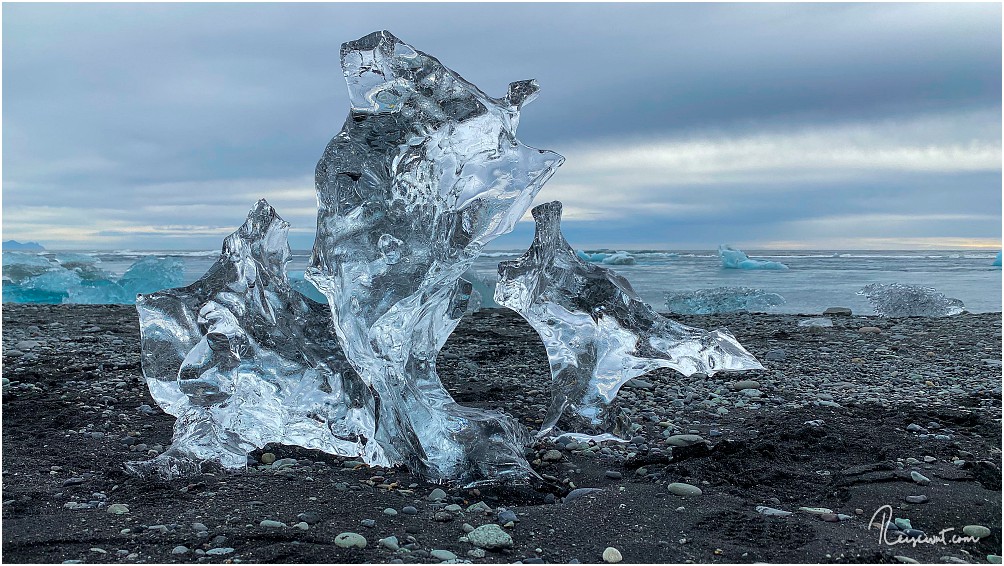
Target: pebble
{"points": [[302, 525], [614, 474], [745, 384], [390, 543], [916, 499], [390, 511], [490, 537], [350, 540], [775, 355], [179, 550], [684, 489], [611, 555], [772, 512], [507, 516], [270, 524], [994, 558], [870, 330], [905, 559], [476, 553], [117, 509], [368, 523], [284, 463], [409, 510], [684, 440], [552, 456], [816, 510], [920, 478], [442, 517], [453, 508], [577, 493], [267, 458], [309, 517], [437, 495], [442, 555], [838, 311], [199, 527], [976, 531]]}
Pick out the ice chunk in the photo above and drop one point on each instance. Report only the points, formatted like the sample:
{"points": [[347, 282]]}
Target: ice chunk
{"points": [[899, 300], [721, 299], [18, 267], [815, 322], [997, 260], [736, 259], [425, 172], [152, 274], [242, 360], [598, 333], [614, 258]]}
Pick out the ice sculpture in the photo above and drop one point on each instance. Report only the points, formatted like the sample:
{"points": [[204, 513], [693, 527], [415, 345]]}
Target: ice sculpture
{"points": [[721, 300], [736, 259], [598, 333], [242, 360], [425, 172], [899, 300]]}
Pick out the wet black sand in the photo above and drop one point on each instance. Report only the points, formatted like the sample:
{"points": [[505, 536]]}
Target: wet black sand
{"points": [[827, 426]]}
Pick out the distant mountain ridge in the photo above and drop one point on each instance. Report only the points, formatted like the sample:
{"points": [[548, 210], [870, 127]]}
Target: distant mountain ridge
{"points": [[16, 246]]}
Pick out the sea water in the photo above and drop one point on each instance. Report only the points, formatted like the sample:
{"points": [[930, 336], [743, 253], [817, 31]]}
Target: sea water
{"points": [[814, 281]]}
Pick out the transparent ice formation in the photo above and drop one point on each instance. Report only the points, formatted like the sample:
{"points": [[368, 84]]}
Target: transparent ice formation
{"points": [[242, 360], [425, 172], [598, 333], [815, 322], [899, 300], [736, 259], [721, 300]]}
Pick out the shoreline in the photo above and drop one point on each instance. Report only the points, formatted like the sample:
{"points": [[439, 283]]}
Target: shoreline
{"points": [[77, 407]]}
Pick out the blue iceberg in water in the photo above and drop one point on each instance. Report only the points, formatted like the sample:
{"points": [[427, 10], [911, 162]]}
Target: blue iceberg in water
{"points": [[607, 258], [736, 259], [997, 260], [77, 278], [722, 299]]}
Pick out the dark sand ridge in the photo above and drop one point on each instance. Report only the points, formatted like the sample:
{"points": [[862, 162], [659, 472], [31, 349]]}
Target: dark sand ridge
{"points": [[839, 419]]}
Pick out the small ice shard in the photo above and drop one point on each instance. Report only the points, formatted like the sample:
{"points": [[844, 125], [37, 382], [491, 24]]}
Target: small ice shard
{"points": [[721, 300], [899, 300], [598, 333], [426, 171], [815, 322], [736, 259], [242, 360]]}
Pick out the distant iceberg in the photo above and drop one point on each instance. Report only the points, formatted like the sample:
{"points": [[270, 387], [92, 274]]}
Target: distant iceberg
{"points": [[736, 259], [607, 258], [77, 278], [997, 260], [899, 300], [721, 300]]}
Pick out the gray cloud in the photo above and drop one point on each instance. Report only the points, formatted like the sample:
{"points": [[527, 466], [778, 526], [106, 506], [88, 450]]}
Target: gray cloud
{"points": [[122, 121]]}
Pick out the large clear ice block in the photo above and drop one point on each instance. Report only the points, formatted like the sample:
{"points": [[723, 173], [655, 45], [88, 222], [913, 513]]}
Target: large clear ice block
{"points": [[425, 171]]}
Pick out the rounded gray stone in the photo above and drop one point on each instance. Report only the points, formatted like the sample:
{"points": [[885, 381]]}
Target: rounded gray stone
{"points": [[684, 489], [350, 540], [490, 537]]}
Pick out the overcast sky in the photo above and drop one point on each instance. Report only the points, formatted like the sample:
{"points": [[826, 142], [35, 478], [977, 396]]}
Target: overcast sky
{"points": [[827, 126]]}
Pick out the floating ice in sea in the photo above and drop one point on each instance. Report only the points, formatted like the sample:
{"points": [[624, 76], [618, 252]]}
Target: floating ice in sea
{"points": [[899, 300], [425, 172], [736, 259], [598, 333], [615, 258], [242, 360], [997, 260], [721, 299]]}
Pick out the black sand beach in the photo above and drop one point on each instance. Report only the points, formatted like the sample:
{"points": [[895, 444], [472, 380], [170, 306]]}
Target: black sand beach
{"points": [[849, 418]]}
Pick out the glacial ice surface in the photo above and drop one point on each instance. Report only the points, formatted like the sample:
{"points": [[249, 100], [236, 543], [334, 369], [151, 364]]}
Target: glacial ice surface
{"points": [[79, 278], [424, 173], [721, 299], [899, 300], [736, 259], [242, 359], [598, 333]]}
